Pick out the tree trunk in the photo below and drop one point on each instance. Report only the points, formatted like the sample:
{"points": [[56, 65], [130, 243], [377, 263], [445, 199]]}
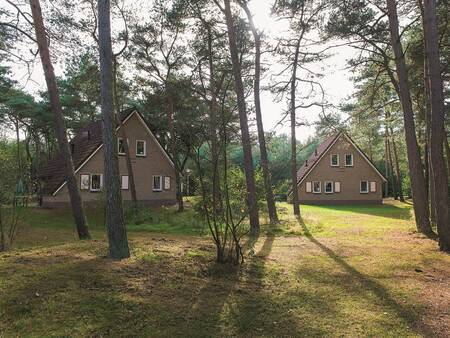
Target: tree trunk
{"points": [[386, 160], [246, 143], [398, 173], [418, 188], [440, 181], [115, 225], [259, 122], [126, 146], [174, 151], [293, 133], [60, 128], [394, 176]]}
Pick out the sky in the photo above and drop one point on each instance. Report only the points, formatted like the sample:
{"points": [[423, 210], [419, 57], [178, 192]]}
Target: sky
{"points": [[336, 81]]}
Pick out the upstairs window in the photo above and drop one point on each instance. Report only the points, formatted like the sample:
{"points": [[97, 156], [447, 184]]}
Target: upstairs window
{"points": [[316, 187], [121, 146], [96, 182], [349, 160], [157, 183], [335, 160], [141, 148], [364, 187], [85, 181]]}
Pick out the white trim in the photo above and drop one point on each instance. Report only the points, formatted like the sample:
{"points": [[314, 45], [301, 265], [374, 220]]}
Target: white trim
{"points": [[308, 187], [325, 187], [101, 145], [331, 160], [320, 187], [160, 183], [367, 185], [345, 160], [145, 148]]}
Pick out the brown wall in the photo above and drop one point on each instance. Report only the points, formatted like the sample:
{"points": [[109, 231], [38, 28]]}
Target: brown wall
{"points": [[349, 177], [155, 163]]}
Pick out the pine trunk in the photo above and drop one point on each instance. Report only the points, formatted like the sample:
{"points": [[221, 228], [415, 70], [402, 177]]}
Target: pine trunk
{"points": [[115, 225], [245, 135], [60, 128], [418, 187], [440, 180], [174, 151], [398, 173], [293, 133], [259, 122]]}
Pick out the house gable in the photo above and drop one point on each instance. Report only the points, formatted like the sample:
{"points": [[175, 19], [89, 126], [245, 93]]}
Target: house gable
{"points": [[131, 122]]}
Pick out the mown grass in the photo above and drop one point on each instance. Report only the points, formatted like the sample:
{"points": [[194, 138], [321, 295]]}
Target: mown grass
{"points": [[339, 271]]}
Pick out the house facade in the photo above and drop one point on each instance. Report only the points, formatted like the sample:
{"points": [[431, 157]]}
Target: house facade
{"points": [[338, 172], [153, 169]]}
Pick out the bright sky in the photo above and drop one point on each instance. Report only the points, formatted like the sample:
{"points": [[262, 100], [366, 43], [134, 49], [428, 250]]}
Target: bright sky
{"points": [[336, 82]]}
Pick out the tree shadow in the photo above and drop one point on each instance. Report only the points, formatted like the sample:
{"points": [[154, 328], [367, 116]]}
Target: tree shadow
{"points": [[383, 295], [383, 210]]}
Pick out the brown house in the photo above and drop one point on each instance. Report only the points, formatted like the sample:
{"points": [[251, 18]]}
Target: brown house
{"points": [[153, 168], [338, 172]]}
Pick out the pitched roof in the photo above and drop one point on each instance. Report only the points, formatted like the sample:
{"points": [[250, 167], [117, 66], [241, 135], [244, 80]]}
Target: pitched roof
{"points": [[315, 157], [83, 145]]}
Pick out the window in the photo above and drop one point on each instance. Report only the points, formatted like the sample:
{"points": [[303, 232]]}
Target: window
{"points": [[141, 148], [335, 160], [84, 181], [316, 187], [373, 186], [157, 183], [349, 160], [308, 187], [167, 183], [124, 183], [121, 146], [96, 182], [328, 186], [337, 186], [363, 187]]}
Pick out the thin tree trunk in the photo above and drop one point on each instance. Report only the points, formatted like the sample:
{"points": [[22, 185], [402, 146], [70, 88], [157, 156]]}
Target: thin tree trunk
{"points": [[293, 132], [174, 151], [115, 225], [386, 160], [440, 181], [60, 128], [394, 177], [418, 188], [126, 146], [246, 143], [259, 122], [398, 173]]}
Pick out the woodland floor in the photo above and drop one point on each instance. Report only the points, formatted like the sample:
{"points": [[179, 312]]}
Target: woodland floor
{"points": [[342, 271]]}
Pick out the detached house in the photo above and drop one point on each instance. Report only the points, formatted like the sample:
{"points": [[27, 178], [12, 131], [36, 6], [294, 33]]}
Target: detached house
{"points": [[153, 168], [338, 172]]}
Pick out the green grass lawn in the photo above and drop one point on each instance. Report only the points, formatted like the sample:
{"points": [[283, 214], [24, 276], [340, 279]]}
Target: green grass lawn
{"points": [[340, 271]]}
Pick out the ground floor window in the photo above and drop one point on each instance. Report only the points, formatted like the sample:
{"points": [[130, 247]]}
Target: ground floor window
{"points": [[316, 187], [96, 182], [157, 183], [364, 187], [124, 182], [328, 187]]}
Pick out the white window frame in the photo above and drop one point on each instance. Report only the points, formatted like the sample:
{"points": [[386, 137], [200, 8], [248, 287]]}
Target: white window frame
{"points": [[145, 148], [325, 187], [337, 187], [320, 187], [118, 145], [348, 165], [160, 183], [331, 160], [123, 181], [84, 187], [101, 183], [367, 185]]}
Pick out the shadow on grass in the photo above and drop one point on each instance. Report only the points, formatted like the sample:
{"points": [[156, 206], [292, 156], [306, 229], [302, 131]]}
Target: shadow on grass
{"points": [[384, 210], [408, 315]]}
